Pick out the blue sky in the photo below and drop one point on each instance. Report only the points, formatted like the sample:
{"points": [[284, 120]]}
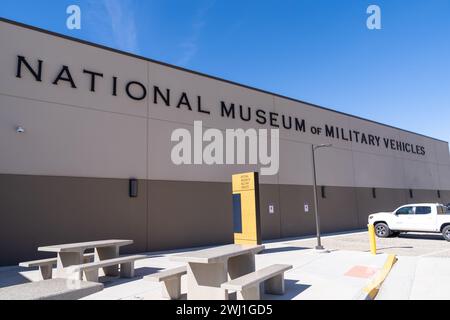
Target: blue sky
{"points": [[318, 51]]}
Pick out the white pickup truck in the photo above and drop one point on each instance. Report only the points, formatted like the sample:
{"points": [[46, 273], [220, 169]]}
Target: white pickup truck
{"points": [[420, 217]]}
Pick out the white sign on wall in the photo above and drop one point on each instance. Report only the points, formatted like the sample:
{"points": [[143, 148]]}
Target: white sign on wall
{"points": [[306, 207]]}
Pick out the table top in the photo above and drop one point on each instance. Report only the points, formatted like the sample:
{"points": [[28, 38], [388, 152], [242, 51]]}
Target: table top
{"points": [[81, 246], [217, 254]]}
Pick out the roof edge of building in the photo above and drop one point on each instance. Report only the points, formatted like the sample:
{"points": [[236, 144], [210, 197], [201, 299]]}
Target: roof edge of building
{"points": [[59, 35]]}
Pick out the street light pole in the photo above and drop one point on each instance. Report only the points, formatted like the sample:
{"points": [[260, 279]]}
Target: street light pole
{"points": [[316, 201]]}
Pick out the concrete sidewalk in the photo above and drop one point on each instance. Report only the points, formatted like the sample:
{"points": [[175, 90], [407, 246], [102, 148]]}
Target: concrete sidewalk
{"points": [[338, 275], [417, 278], [335, 275]]}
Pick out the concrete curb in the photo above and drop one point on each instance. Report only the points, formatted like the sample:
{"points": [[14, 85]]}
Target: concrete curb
{"points": [[370, 291]]}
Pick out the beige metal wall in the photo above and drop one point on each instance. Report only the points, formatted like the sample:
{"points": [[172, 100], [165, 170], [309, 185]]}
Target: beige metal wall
{"points": [[76, 132]]}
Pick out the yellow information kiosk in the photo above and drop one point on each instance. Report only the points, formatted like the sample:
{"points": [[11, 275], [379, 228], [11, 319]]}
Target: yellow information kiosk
{"points": [[246, 216]]}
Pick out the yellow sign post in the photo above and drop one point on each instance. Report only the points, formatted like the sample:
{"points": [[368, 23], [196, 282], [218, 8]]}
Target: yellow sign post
{"points": [[246, 216], [373, 242]]}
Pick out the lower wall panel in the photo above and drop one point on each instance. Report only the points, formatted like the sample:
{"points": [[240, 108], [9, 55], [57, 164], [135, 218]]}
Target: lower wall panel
{"points": [[187, 214], [445, 197], [40, 210], [338, 210], [425, 195], [294, 220], [269, 195], [369, 201]]}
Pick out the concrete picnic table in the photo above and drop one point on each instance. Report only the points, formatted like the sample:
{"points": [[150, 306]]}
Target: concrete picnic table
{"points": [[207, 269], [72, 254]]}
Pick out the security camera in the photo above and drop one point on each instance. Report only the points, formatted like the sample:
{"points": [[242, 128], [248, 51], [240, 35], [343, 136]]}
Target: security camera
{"points": [[20, 130]]}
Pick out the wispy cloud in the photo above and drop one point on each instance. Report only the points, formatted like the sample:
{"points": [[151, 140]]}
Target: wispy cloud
{"points": [[189, 45], [114, 20]]}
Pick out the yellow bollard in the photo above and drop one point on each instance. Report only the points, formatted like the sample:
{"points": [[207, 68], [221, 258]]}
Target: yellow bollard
{"points": [[373, 243]]}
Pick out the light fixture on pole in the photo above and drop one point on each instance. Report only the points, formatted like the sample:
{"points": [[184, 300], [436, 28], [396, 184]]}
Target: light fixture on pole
{"points": [[316, 201]]}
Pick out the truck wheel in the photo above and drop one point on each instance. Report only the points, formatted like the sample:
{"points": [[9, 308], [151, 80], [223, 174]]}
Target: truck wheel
{"points": [[446, 233], [382, 230]]}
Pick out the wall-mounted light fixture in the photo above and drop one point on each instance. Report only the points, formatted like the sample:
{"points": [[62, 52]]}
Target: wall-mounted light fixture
{"points": [[20, 129], [322, 192], [133, 188]]}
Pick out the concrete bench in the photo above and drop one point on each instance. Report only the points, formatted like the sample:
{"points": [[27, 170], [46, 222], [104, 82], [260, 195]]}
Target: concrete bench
{"points": [[46, 265], [90, 270], [72, 254], [52, 289], [208, 268], [247, 286], [171, 279]]}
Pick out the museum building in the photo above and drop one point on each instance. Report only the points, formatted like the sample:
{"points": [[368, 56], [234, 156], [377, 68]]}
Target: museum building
{"points": [[85, 153]]}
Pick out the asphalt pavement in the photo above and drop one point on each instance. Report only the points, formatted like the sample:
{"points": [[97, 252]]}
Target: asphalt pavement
{"points": [[406, 244]]}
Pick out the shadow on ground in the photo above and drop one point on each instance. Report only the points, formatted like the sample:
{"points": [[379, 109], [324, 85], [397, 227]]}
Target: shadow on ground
{"points": [[12, 278], [139, 273], [421, 236], [283, 249], [292, 289], [392, 247]]}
